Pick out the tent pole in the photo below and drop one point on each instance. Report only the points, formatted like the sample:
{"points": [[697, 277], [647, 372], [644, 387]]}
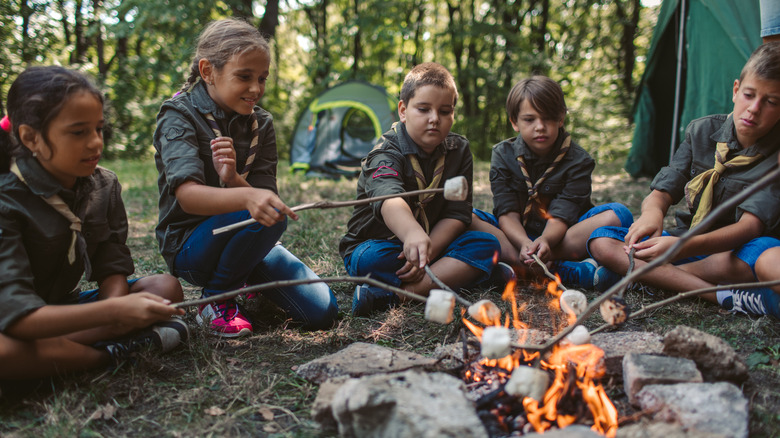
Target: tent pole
{"points": [[676, 113]]}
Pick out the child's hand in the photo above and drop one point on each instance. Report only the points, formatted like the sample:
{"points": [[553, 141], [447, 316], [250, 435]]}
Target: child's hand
{"points": [[223, 155], [653, 247], [417, 249], [409, 273], [541, 248], [526, 252], [142, 309], [645, 226], [266, 207]]}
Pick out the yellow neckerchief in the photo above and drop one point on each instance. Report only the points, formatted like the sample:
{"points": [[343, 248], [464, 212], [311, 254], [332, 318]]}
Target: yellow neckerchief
{"points": [[704, 182]]}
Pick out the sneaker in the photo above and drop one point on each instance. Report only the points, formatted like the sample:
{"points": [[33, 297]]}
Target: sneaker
{"points": [[224, 319], [604, 278], [169, 334], [578, 274], [756, 302], [164, 336], [367, 299]]}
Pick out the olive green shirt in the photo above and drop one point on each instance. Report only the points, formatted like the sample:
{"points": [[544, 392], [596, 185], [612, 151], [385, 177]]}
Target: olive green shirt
{"points": [[35, 239], [696, 154], [387, 170], [183, 153], [564, 194]]}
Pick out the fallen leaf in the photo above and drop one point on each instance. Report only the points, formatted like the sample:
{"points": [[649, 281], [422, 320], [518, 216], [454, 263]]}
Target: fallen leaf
{"points": [[105, 412], [266, 412], [270, 428], [215, 411]]}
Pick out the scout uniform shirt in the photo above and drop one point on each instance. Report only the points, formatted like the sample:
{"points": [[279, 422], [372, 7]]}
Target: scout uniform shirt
{"points": [[387, 170], [696, 154], [35, 239], [565, 193], [183, 153]]}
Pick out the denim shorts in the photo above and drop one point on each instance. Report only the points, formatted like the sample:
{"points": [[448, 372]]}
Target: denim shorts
{"points": [[380, 257], [621, 211], [90, 296], [748, 252], [770, 17]]}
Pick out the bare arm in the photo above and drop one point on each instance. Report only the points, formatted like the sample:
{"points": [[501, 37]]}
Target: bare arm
{"points": [[399, 219], [113, 286], [512, 226], [651, 221], [264, 206], [553, 233]]}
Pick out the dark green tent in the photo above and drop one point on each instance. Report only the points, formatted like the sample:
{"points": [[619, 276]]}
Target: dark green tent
{"points": [[716, 38]]}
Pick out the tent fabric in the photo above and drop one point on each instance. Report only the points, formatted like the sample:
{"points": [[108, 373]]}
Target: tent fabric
{"points": [[719, 36], [339, 127]]}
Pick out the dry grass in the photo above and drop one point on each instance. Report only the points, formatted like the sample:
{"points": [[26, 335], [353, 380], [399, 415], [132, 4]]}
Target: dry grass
{"points": [[248, 387]]}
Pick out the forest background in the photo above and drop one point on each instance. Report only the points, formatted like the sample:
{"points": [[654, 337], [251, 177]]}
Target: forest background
{"points": [[140, 52]]}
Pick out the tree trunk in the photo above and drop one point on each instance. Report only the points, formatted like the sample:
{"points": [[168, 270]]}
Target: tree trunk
{"points": [[270, 19], [357, 50]]}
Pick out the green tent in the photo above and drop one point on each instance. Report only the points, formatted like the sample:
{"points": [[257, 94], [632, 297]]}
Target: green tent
{"points": [[697, 51], [340, 127]]}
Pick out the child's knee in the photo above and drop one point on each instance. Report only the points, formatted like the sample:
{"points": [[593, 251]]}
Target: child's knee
{"points": [[617, 215]]}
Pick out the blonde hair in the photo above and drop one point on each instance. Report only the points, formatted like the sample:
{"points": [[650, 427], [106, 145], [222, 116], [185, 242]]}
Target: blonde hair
{"points": [[220, 41]]}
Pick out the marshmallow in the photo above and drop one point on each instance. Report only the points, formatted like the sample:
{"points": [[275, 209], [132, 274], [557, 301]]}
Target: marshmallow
{"points": [[439, 306], [578, 336], [573, 301], [456, 189], [486, 312], [527, 382], [496, 342], [614, 311]]}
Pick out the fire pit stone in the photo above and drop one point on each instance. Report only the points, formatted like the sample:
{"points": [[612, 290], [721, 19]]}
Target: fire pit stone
{"points": [[715, 358], [640, 370], [618, 344]]}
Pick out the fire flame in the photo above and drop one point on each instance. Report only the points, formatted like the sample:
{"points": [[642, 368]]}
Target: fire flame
{"points": [[575, 367]]}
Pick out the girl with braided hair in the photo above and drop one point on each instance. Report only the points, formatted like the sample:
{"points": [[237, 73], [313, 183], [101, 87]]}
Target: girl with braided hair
{"points": [[216, 157]]}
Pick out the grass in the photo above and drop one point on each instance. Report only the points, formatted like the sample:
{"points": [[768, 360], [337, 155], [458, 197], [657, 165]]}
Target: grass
{"points": [[248, 387]]}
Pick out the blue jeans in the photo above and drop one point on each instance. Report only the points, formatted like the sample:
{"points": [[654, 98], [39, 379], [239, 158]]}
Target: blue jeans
{"points": [[748, 252], [621, 211], [380, 257], [770, 17], [90, 296], [250, 255]]}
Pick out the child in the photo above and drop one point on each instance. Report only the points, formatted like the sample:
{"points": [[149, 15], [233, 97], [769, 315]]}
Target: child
{"points": [[395, 239], [62, 215], [216, 156], [720, 156], [541, 183]]}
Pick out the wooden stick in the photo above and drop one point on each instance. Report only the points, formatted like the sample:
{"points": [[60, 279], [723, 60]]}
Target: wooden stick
{"points": [[547, 272], [692, 293], [332, 204], [441, 284], [284, 283]]}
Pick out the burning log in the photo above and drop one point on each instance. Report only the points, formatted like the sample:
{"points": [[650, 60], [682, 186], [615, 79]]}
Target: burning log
{"points": [[528, 382], [455, 189], [496, 342], [486, 312], [439, 306]]}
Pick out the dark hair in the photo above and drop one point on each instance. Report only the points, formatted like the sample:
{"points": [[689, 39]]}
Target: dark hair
{"points": [[428, 73], [220, 41], [764, 62], [542, 93], [35, 98]]}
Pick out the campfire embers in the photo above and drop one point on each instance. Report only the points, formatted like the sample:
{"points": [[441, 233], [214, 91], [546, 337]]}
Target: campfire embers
{"points": [[519, 391]]}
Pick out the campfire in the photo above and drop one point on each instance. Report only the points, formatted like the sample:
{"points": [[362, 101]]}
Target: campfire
{"points": [[523, 391]]}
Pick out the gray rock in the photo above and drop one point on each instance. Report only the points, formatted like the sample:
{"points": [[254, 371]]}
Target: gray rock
{"points": [[361, 359], [618, 344], [712, 408], [648, 429], [715, 358], [640, 370], [408, 404], [321, 410]]}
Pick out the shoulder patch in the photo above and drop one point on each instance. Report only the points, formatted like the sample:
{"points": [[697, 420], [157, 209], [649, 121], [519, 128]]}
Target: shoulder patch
{"points": [[384, 171], [173, 133]]}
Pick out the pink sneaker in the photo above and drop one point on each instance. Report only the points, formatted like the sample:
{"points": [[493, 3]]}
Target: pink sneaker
{"points": [[225, 319]]}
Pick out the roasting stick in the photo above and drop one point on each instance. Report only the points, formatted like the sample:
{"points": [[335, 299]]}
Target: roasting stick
{"points": [[284, 283], [547, 272], [441, 284], [455, 189]]}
